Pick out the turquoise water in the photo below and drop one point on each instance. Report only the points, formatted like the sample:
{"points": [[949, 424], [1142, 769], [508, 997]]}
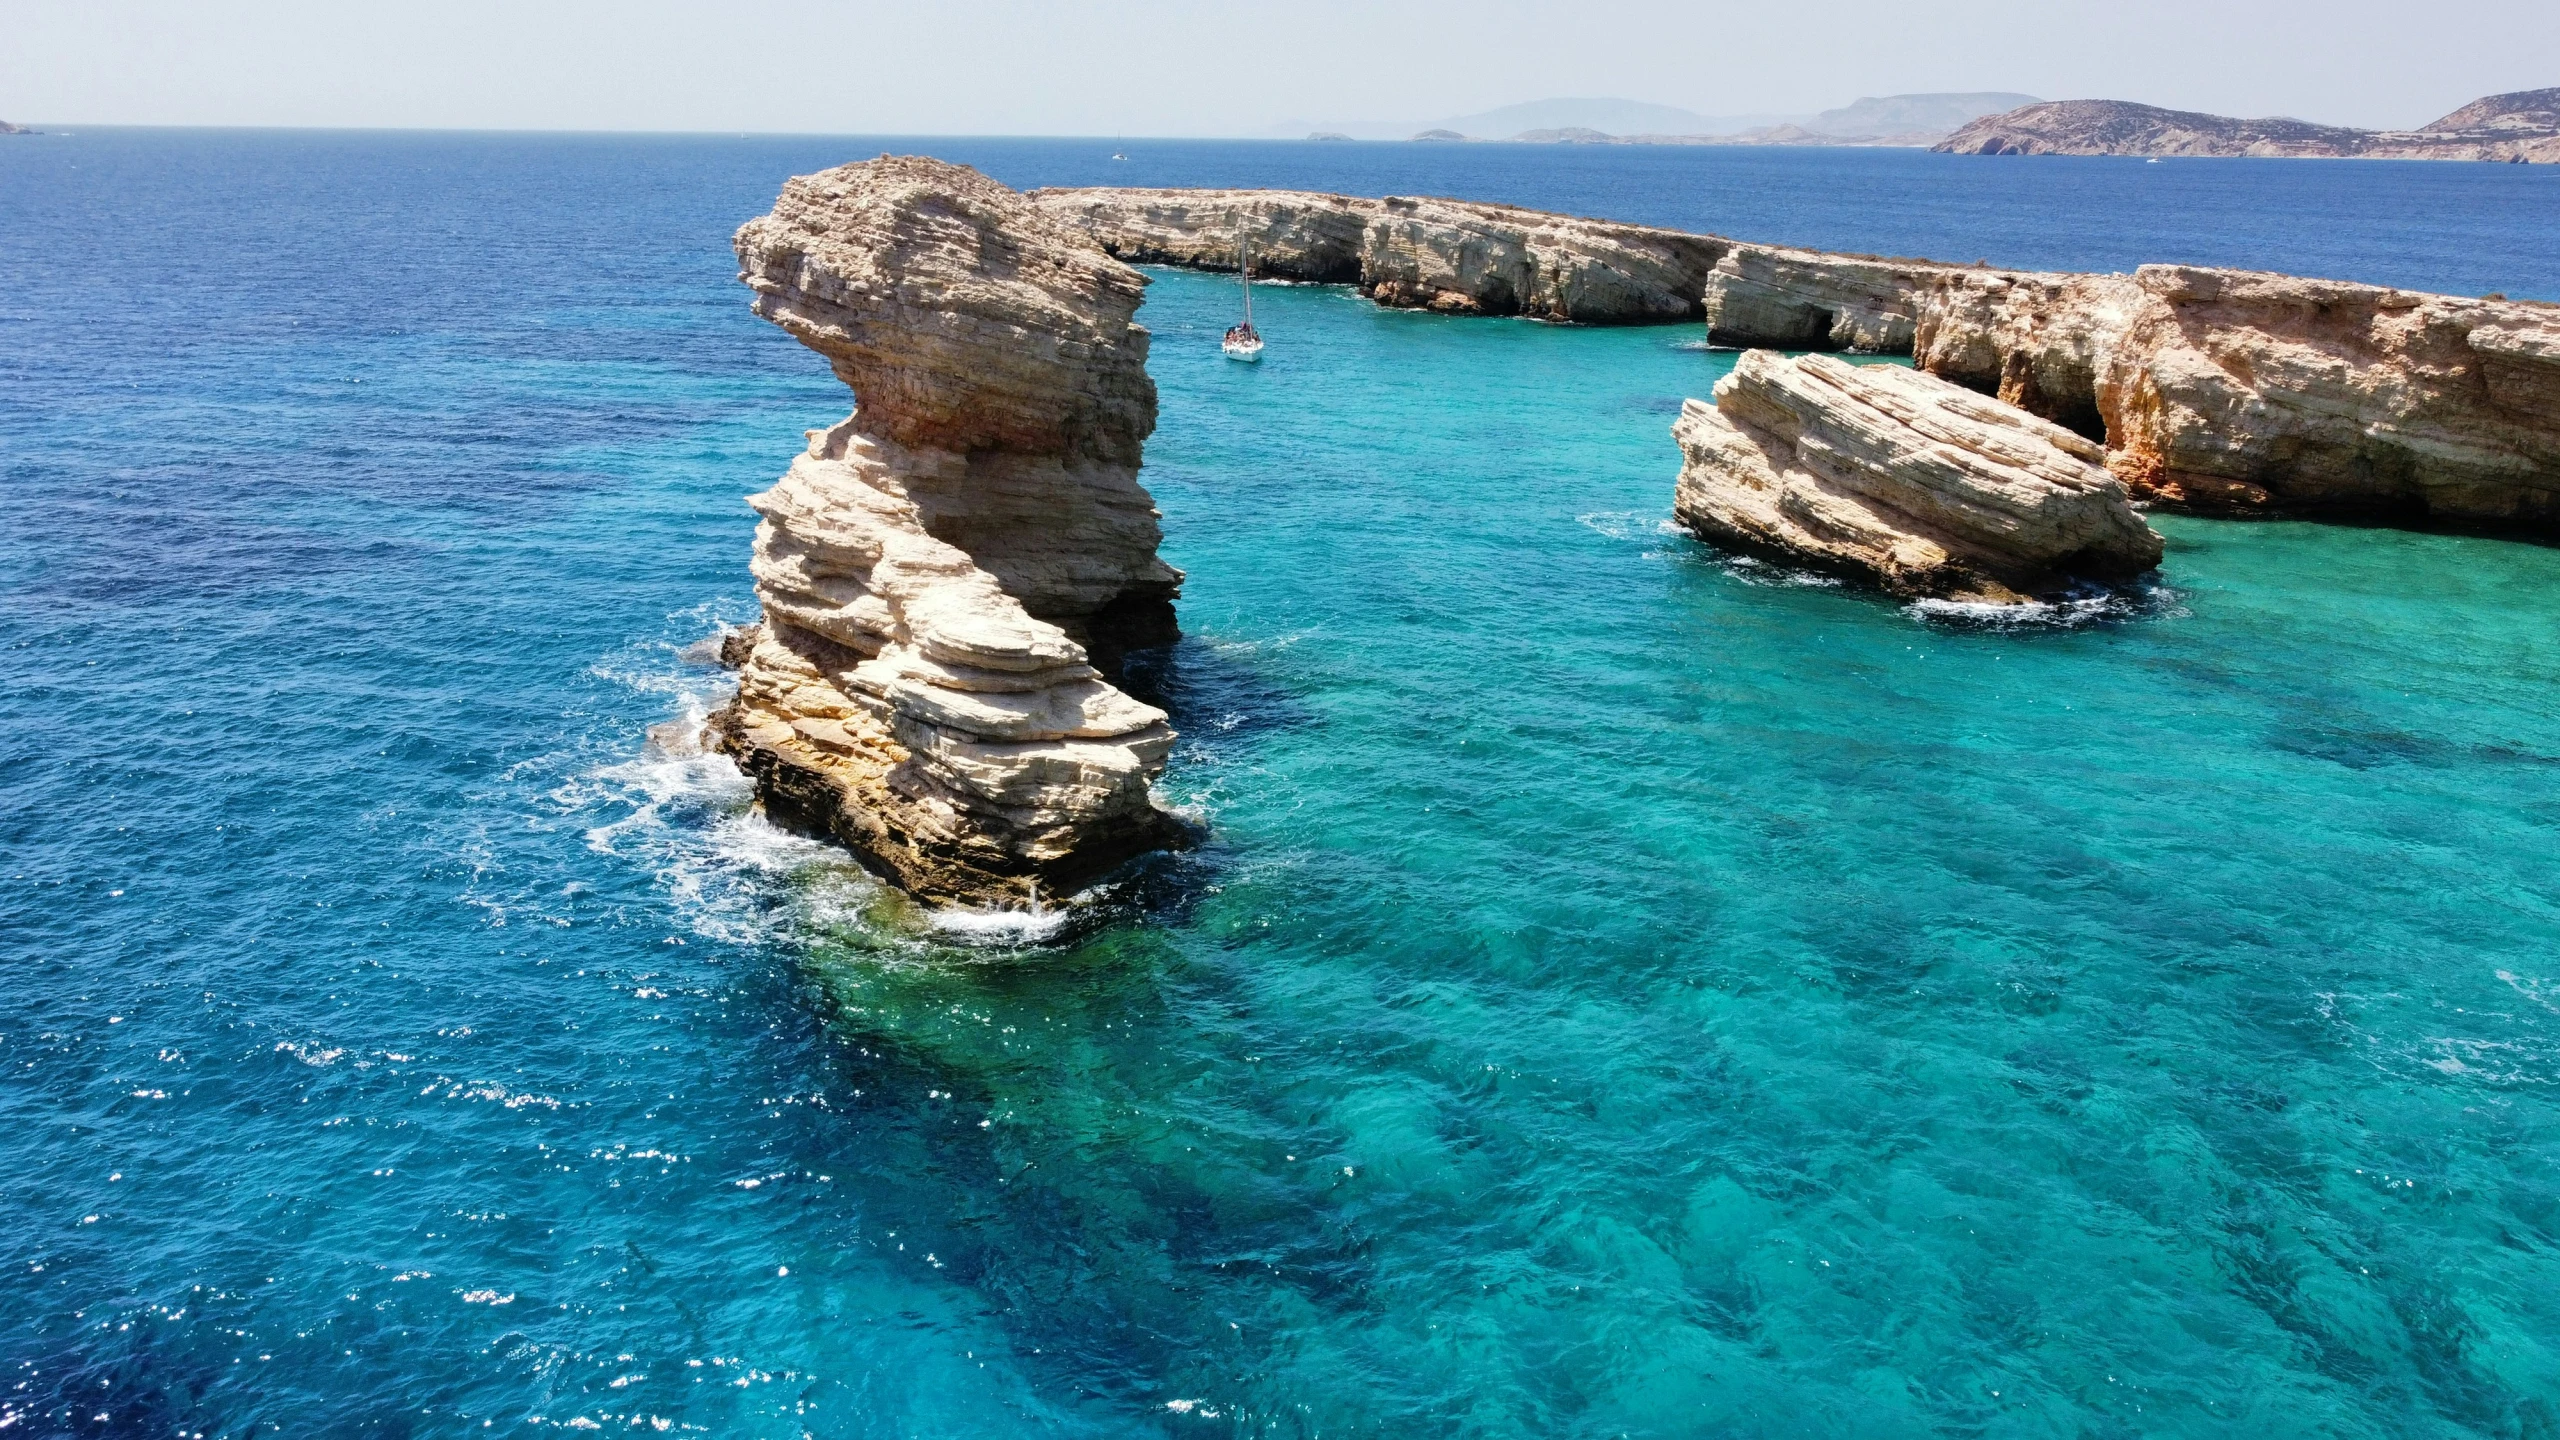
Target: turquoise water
{"points": [[1623, 991]]}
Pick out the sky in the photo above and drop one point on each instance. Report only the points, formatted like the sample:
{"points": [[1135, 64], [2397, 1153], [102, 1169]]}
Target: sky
{"points": [[1168, 68]]}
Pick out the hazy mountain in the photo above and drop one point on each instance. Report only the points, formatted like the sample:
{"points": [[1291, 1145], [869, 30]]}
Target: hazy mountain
{"points": [[1608, 116], [2523, 127], [1937, 114], [1903, 115]]}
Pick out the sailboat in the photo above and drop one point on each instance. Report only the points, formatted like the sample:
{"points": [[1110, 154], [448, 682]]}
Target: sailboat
{"points": [[1243, 342]]}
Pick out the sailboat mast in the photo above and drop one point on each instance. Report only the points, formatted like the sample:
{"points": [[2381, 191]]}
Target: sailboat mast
{"points": [[1244, 276]]}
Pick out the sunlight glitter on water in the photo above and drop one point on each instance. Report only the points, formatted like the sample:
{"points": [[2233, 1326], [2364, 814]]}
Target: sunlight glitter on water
{"points": [[1617, 990]]}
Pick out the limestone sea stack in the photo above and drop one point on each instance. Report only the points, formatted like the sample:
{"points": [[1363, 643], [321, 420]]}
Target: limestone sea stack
{"points": [[1903, 480], [2233, 390], [940, 571]]}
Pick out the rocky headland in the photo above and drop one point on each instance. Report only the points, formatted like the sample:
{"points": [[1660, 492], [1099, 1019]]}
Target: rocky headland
{"points": [[2215, 390], [1897, 478], [1450, 256], [2233, 391], [944, 573], [1457, 257], [2523, 127]]}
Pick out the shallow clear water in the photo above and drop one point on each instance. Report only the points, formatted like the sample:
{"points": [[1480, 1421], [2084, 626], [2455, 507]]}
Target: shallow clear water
{"points": [[1624, 991]]}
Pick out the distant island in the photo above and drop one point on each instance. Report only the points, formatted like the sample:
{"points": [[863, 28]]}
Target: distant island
{"points": [[2518, 128], [8, 129], [1917, 121]]}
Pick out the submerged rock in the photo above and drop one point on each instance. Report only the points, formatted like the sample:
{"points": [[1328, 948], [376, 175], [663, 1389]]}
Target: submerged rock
{"points": [[940, 571], [2233, 390], [1892, 476]]}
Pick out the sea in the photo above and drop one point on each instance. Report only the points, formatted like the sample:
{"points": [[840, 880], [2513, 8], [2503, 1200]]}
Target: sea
{"points": [[1619, 989]]}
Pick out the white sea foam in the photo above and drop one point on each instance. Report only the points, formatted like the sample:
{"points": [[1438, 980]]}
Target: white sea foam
{"points": [[1751, 570], [1625, 524], [689, 815], [1001, 927], [2092, 606]]}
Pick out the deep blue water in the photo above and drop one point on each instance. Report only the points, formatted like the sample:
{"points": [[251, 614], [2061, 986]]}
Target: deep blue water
{"points": [[1624, 991]]}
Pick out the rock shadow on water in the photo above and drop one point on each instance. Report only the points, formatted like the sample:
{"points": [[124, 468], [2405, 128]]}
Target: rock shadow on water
{"points": [[2086, 605]]}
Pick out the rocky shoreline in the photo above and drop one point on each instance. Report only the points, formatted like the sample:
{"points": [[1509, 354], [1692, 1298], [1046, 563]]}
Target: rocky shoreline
{"points": [[2218, 391], [949, 576], [1457, 257]]}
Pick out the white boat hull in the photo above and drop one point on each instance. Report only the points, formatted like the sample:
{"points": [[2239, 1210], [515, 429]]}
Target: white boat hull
{"points": [[1248, 350]]}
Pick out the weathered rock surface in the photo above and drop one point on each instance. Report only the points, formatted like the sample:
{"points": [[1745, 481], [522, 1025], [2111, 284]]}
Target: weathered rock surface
{"points": [[939, 571], [2229, 390], [2522, 127], [1781, 299], [1460, 258], [2244, 391], [1899, 478], [1450, 256]]}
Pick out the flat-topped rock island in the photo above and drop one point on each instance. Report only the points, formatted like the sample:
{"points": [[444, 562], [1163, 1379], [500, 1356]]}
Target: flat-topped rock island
{"points": [[2218, 391]]}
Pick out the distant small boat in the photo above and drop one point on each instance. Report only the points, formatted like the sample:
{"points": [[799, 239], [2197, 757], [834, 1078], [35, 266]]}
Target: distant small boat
{"points": [[1243, 342]]}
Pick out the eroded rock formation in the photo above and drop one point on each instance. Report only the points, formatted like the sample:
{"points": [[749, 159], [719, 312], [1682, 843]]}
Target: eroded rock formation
{"points": [[2216, 390], [1782, 299], [2227, 390], [1461, 258], [939, 571], [1896, 477], [1450, 256]]}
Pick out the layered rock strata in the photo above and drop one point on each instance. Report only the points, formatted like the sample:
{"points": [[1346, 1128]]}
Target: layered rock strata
{"points": [[940, 571], [2229, 390], [1449, 256], [1898, 478], [2214, 390], [1781, 299], [1460, 258]]}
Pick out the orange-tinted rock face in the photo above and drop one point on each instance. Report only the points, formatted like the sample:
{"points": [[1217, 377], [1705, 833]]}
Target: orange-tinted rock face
{"points": [[2227, 389], [939, 571]]}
